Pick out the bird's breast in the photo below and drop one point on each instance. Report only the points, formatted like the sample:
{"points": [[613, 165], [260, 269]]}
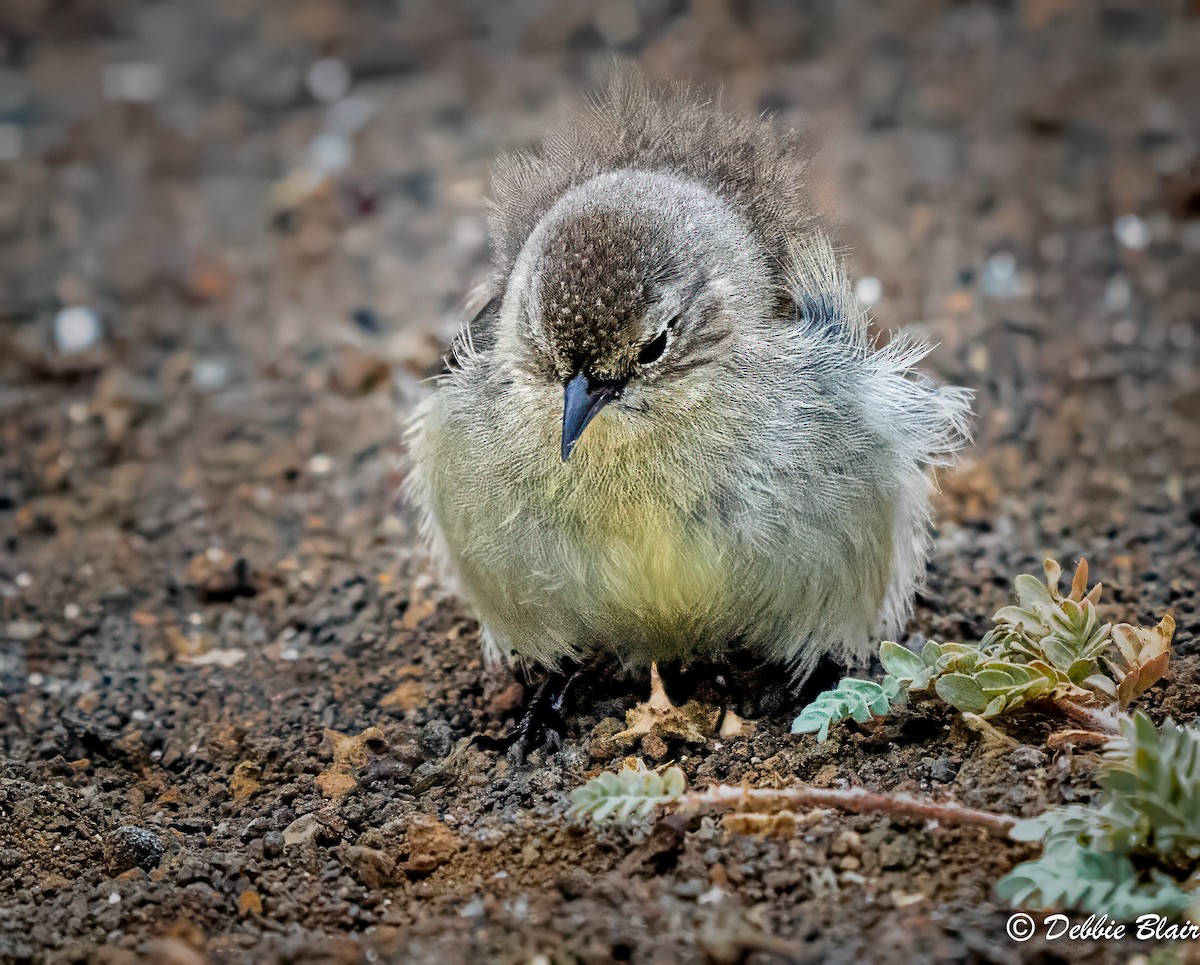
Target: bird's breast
{"points": [[649, 559]]}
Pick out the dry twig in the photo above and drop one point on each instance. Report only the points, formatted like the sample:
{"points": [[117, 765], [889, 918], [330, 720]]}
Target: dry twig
{"points": [[724, 797]]}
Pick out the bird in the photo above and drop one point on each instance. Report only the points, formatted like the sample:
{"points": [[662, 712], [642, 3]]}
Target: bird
{"points": [[669, 434]]}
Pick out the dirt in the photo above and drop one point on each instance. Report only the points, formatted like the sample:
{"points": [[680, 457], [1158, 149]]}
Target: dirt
{"points": [[236, 708]]}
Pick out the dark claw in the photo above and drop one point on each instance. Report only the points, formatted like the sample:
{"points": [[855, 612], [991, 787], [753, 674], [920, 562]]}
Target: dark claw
{"points": [[541, 725]]}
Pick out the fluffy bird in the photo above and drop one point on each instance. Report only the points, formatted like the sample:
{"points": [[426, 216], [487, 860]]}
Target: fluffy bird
{"points": [[668, 436]]}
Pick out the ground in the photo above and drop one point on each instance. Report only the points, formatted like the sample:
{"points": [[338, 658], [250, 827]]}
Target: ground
{"points": [[235, 705]]}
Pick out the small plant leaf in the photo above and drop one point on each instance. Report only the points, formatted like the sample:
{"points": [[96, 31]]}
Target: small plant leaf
{"points": [[859, 700], [626, 794], [1105, 857], [900, 661], [1141, 658], [961, 691]]}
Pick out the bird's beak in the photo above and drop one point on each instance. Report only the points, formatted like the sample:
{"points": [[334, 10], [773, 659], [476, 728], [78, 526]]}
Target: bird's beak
{"points": [[582, 399]]}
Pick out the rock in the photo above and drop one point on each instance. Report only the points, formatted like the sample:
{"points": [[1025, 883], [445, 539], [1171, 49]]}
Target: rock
{"points": [[131, 847], [654, 747], [608, 739], [430, 845], [900, 852], [944, 770], [244, 781], [373, 867], [437, 738], [506, 700], [123, 400], [173, 951], [350, 752], [273, 843], [77, 328], [301, 831], [335, 783], [1025, 757], [21, 631], [358, 371], [354, 750], [218, 576], [408, 695], [249, 903]]}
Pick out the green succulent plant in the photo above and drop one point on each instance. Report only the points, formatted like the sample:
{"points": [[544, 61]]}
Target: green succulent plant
{"points": [[1064, 632], [1046, 647], [857, 699], [1131, 851]]}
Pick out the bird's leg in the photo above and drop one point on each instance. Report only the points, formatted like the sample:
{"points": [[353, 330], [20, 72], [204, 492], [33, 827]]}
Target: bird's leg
{"points": [[542, 723]]}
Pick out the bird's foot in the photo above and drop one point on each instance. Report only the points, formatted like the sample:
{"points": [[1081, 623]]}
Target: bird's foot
{"points": [[541, 725]]}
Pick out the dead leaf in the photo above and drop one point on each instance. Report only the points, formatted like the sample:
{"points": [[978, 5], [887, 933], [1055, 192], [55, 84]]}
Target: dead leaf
{"points": [[1143, 654], [734, 726], [692, 723]]}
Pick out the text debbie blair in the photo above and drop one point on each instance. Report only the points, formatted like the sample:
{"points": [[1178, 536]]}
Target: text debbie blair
{"points": [[1145, 928]]}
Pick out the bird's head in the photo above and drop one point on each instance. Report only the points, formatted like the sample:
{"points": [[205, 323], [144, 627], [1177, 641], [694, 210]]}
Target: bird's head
{"points": [[629, 284]]}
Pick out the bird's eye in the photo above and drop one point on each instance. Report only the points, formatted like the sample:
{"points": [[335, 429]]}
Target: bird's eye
{"points": [[652, 351]]}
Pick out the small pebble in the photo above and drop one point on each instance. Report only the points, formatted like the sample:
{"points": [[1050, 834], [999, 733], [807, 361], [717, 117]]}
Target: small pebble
{"points": [[137, 83], [1125, 332], [330, 152], [1131, 232], [1181, 335], [328, 80], [1025, 757], [1000, 276], [272, 843], [210, 373], [76, 329], [349, 115], [12, 140], [869, 290], [1117, 294], [131, 847], [437, 738]]}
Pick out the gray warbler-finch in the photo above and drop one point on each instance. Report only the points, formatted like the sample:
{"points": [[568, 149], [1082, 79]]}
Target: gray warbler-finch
{"points": [[668, 435]]}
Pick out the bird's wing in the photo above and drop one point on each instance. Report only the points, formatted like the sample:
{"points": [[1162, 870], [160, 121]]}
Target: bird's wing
{"points": [[823, 303]]}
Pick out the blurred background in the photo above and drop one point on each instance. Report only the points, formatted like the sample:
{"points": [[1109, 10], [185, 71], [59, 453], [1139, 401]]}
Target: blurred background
{"points": [[236, 235], [200, 201]]}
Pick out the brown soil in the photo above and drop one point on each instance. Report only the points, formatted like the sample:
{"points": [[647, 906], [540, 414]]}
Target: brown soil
{"points": [[235, 709]]}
